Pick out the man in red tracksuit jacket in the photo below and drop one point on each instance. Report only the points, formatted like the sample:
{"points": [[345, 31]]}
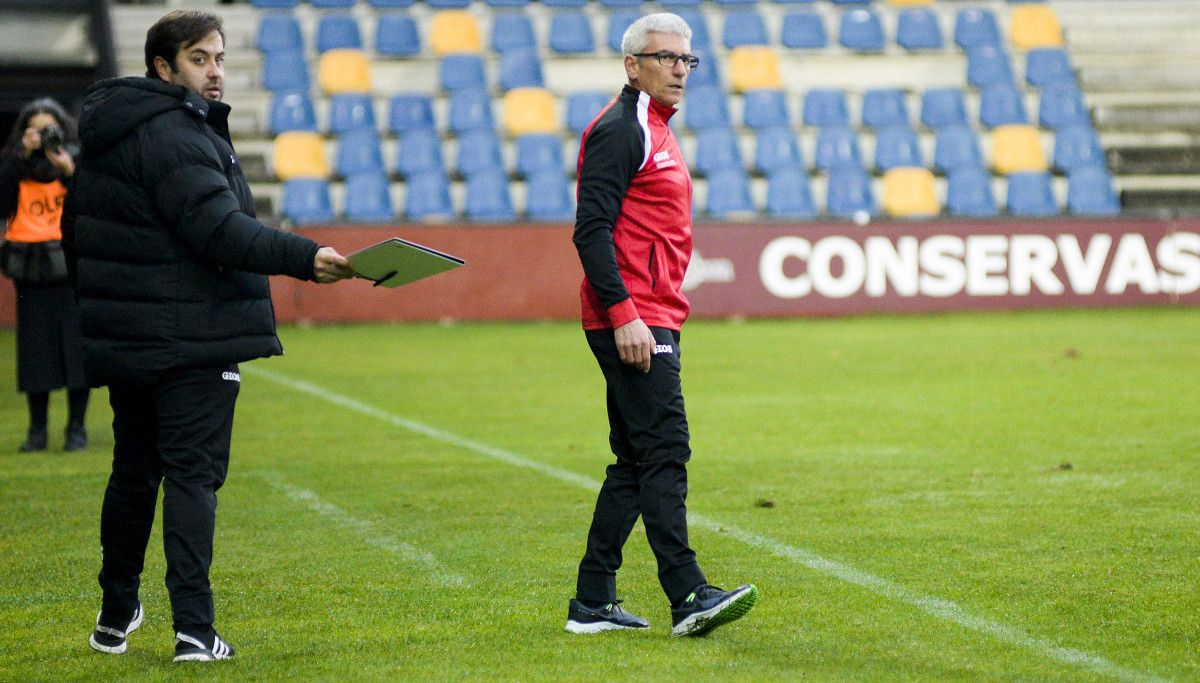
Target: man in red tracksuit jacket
{"points": [[634, 236]]}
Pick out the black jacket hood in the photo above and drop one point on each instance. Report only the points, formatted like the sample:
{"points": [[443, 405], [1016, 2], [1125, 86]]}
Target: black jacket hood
{"points": [[114, 107]]}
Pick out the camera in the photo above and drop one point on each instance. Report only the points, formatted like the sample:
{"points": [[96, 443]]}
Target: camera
{"points": [[52, 138]]}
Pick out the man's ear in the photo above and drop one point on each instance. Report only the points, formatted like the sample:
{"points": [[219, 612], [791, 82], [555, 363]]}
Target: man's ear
{"points": [[163, 68], [631, 70]]}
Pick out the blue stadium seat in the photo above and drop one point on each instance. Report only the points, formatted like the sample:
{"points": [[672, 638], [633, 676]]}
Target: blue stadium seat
{"points": [[461, 71], [837, 146], [743, 27], [1000, 104], [1077, 146], [506, 3], [884, 107], [390, 4], [956, 147], [278, 32], [1062, 105], [582, 107], [564, 3], [736, 2], [987, 65], [1090, 192], [803, 29], [763, 108], [917, 29], [410, 111], [729, 193], [306, 200], [368, 198], [292, 111], [1031, 194], [520, 68], [701, 38], [861, 30], [471, 109], [273, 4], [338, 32], [849, 191], [975, 27], [942, 107], [776, 148], [351, 111], [548, 197], [825, 107], [488, 198], [1047, 65], [969, 193], [717, 150], [332, 4], [673, 5], [396, 35], [358, 152], [571, 33], [788, 194], [448, 4], [618, 21], [897, 146], [419, 151], [286, 70], [539, 152], [620, 3], [427, 195], [705, 107], [478, 151], [512, 31], [706, 73]]}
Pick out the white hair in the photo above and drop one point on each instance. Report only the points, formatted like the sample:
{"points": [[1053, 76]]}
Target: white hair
{"points": [[637, 36]]}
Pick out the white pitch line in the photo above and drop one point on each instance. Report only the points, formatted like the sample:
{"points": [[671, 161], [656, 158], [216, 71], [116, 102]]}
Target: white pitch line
{"points": [[930, 604]]}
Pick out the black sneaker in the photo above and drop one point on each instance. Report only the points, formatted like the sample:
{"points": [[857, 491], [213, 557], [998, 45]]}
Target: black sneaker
{"points": [[584, 619], [35, 441], [709, 607], [111, 639], [76, 438], [201, 649]]}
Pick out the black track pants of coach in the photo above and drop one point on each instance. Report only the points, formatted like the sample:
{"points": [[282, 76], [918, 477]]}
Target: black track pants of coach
{"points": [[176, 432], [649, 436]]}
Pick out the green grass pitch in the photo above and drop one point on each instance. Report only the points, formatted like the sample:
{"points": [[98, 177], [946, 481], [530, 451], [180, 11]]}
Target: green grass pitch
{"points": [[1011, 496]]}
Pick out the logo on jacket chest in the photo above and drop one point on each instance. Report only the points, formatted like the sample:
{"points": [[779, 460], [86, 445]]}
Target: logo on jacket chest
{"points": [[663, 160]]}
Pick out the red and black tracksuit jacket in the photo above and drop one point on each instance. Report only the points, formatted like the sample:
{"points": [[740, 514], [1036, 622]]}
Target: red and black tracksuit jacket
{"points": [[633, 226]]}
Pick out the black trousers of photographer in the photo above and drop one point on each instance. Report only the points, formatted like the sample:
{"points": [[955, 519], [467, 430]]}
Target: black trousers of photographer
{"points": [[175, 432], [649, 436]]}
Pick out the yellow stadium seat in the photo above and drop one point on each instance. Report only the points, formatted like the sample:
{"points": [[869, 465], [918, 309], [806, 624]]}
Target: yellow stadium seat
{"points": [[910, 3], [299, 154], [344, 71], [1017, 148], [752, 67], [454, 31], [529, 110], [908, 192], [1034, 25]]}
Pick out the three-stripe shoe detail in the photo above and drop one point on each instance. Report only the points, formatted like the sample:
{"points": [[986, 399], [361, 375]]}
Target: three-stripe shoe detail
{"points": [[111, 639], [192, 649]]}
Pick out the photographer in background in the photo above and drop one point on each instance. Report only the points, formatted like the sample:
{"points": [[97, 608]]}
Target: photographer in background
{"points": [[36, 165]]}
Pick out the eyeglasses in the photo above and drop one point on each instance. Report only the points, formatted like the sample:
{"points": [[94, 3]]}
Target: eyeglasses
{"points": [[669, 59]]}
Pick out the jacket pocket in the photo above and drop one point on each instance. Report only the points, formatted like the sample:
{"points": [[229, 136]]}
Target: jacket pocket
{"points": [[652, 266]]}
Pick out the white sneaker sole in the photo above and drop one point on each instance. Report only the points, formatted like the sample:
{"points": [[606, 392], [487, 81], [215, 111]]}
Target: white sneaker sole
{"points": [[117, 649], [597, 627]]}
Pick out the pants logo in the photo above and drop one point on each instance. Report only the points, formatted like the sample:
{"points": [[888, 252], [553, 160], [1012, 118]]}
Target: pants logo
{"points": [[231, 376], [663, 348]]}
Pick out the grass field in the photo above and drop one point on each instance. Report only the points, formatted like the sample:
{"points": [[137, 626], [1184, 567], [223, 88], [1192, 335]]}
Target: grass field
{"points": [[960, 497]]}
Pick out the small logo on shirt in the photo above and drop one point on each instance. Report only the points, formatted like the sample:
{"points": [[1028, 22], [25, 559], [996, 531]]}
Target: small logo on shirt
{"points": [[663, 348], [661, 155], [231, 376]]}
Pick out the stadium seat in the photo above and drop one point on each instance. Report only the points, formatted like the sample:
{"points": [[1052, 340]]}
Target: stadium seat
{"points": [[539, 152], [705, 107], [837, 146], [735, 2], [512, 31], [344, 71], [351, 111], [743, 27], [804, 30], [620, 3], [969, 193], [488, 198], [338, 32], [883, 107], [908, 192], [448, 4], [279, 32], [753, 67], [299, 154], [410, 111], [987, 65], [1062, 105], [418, 151], [1034, 25], [776, 148], [529, 110], [765, 108], [1017, 148], [548, 197], [478, 151], [956, 147], [470, 109], [286, 70], [717, 150], [706, 73], [1090, 192], [729, 194], [564, 3], [520, 68], [942, 107], [897, 146], [1048, 65], [910, 3], [461, 71], [292, 111], [701, 38], [582, 107], [274, 4], [917, 29], [396, 35], [452, 31], [975, 27], [507, 3], [306, 200], [1077, 146], [571, 33], [427, 196], [368, 198], [679, 4], [618, 21], [1001, 104], [358, 152], [1031, 194], [390, 4], [825, 107], [332, 4], [788, 194], [861, 30], [849, 191]]}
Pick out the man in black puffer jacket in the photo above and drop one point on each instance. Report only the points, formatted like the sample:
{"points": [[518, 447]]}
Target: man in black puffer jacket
{"points": [[170, 269]]}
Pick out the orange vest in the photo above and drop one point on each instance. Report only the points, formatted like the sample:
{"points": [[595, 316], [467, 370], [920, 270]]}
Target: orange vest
{"points": [[39, 212]]}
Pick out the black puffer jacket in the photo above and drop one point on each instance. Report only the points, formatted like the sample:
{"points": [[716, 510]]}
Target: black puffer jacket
{"points": [[167, 257]]}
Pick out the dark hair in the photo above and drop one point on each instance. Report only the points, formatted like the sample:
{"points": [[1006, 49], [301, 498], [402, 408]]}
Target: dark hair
{"points": [[44, 105], [176, 31]]}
